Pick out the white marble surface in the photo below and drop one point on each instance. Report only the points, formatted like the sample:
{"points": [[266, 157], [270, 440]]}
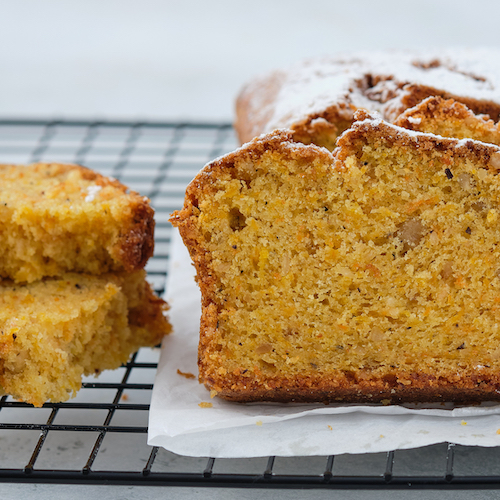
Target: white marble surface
{"points": [[169, 60]]}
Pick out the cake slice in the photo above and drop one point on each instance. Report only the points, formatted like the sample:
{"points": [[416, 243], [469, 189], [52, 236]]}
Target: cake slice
{"points": [[370, 275], [449, 118], [58, 218], [54, 331]]}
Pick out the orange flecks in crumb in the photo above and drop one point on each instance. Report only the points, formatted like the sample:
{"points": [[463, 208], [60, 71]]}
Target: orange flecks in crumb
{"points": [[185, 374], [204, 404], [463, 422], [259, 422], [460, 282], [411, 207], [373, 270]]}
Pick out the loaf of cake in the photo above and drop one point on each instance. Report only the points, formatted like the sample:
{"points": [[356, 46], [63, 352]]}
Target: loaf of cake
{"points": [[66, 218], [449, 118], [368, 275], [317, 99], [54, 331]]}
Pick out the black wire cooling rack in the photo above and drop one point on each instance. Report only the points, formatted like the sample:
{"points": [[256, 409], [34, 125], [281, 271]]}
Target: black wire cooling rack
{"points": [[100, 437]]}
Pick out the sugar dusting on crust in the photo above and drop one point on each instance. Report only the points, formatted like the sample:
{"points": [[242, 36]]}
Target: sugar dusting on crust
{"points": [[374, 81], [415, 120], [374, 121], [92, 191]]}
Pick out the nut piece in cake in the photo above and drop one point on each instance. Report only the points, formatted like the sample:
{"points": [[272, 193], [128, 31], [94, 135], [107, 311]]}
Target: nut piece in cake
{"points": [[54, 331], [58, 218], [368, 275]]}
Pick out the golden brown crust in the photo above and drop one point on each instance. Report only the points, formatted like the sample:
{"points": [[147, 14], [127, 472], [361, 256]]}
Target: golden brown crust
{"points": [[386, 133], [247, 107], [360, 388], [415, 94], [136, 244], [149, 315], [450, 119]]}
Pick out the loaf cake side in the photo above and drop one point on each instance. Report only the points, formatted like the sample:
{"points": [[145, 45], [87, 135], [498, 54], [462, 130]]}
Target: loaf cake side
{"points": [[365, 276], [57, 218], [317, 99], [56, 330]]}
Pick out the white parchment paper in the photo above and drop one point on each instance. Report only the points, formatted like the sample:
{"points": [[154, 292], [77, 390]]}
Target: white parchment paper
{"points": [[178, 423]]}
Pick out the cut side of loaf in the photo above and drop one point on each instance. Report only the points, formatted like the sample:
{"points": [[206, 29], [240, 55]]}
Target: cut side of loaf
{"points": [[57, 218], [365, 276], [449, 118], [54, 331]]}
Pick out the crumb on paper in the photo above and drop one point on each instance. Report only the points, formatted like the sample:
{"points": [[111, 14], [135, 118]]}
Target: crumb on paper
{"points": [[498, 431], [330, 427], [204, 404], [124, 397], [381, 436], [259, 422], [213, 393], [185, 374], [463, 422]]}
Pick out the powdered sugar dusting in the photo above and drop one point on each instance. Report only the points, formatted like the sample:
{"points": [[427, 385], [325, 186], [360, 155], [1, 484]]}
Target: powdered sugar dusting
{"points": [[374, 81], [414, 119], [92, 191]]}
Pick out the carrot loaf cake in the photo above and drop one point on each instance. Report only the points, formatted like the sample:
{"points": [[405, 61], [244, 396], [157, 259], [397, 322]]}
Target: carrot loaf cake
{"points": [[317, 99], [370, 274], [58, 218], [55, 330]]}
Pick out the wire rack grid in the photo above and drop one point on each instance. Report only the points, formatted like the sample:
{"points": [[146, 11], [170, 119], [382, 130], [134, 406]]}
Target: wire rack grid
{"points": [[100, 437]]}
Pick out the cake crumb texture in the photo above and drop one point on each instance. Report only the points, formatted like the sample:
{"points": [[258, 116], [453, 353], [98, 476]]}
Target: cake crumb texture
{"points": [[48, 212], [54, 331], [366, 275]]}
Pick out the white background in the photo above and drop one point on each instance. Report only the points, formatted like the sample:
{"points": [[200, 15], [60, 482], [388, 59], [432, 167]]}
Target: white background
{"points": [[163, 60]]}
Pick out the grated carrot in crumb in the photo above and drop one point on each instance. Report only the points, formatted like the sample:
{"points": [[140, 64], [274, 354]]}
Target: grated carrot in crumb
{"points": [[398, 258]]}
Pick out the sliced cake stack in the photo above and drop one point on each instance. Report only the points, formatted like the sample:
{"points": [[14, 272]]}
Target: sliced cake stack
{"points": [[74, 299]]}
